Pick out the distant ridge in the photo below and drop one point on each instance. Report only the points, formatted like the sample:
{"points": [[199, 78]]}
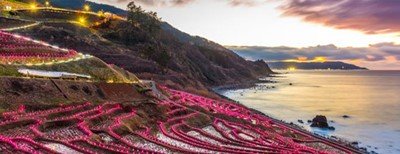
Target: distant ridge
{"points": [[334, 65]]}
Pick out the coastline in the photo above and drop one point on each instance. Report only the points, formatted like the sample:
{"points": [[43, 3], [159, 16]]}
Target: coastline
{"points": [[236, 86], [330, 140]]}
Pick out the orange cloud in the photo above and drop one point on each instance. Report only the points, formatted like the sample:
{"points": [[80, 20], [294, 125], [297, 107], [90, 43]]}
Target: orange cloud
{"points": [[391, 58], [302, 58], [320, 59]]}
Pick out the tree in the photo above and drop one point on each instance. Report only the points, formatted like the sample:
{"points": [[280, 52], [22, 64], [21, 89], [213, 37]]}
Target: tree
{"points": [[148, 21]]}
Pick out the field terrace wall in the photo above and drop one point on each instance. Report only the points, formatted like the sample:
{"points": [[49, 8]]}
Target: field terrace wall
{"points": [[43, 92], [7, 23]]}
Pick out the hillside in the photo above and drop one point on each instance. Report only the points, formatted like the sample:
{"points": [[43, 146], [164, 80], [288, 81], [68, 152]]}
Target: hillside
{"points": [[314, 65], [188, 63]]}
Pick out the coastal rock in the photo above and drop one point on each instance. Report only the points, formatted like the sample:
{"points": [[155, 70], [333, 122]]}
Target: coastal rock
{"points": [[321, 121], [345, 116], [300, 121]]}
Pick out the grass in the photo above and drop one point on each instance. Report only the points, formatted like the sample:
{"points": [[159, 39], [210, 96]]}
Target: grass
{"points": [[14, 4], [199, 121], [94, 67], [97, 69], [6, 70]]}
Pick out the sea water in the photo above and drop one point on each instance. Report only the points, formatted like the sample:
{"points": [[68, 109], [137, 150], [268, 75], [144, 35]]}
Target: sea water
{"points": [[371, 99]]}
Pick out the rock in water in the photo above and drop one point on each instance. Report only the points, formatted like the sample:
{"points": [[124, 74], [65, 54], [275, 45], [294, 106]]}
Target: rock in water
{"points": [[320, 121], [346, 116]]}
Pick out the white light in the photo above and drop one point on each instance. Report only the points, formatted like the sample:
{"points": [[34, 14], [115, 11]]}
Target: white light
{"points": [[8, 8]]}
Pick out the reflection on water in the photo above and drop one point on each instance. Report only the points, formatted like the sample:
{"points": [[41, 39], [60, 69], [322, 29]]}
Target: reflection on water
{"points": [[370, 98]]}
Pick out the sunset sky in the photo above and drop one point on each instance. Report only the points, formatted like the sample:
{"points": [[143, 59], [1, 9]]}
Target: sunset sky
{"points": [[363, 32]]}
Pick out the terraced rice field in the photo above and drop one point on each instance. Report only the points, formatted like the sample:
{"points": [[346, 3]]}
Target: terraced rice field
{"points": [[15, 49], [184, 123]]}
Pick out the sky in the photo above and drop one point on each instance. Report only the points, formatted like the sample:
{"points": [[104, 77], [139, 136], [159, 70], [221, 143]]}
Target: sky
{"points": [[362, 32]]}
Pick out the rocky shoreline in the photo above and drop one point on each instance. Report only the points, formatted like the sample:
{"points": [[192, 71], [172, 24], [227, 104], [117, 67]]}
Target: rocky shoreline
{"points": [[241, 85]]}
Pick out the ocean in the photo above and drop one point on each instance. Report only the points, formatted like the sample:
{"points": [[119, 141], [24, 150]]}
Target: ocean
{"points": [[371, 99]]}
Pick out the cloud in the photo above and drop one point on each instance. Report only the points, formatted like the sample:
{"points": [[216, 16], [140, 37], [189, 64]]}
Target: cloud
{"points": [[173, 3], [164, 2], [388, 53], [368, 16], [157, 3], [248, 3], [376, 56]]}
